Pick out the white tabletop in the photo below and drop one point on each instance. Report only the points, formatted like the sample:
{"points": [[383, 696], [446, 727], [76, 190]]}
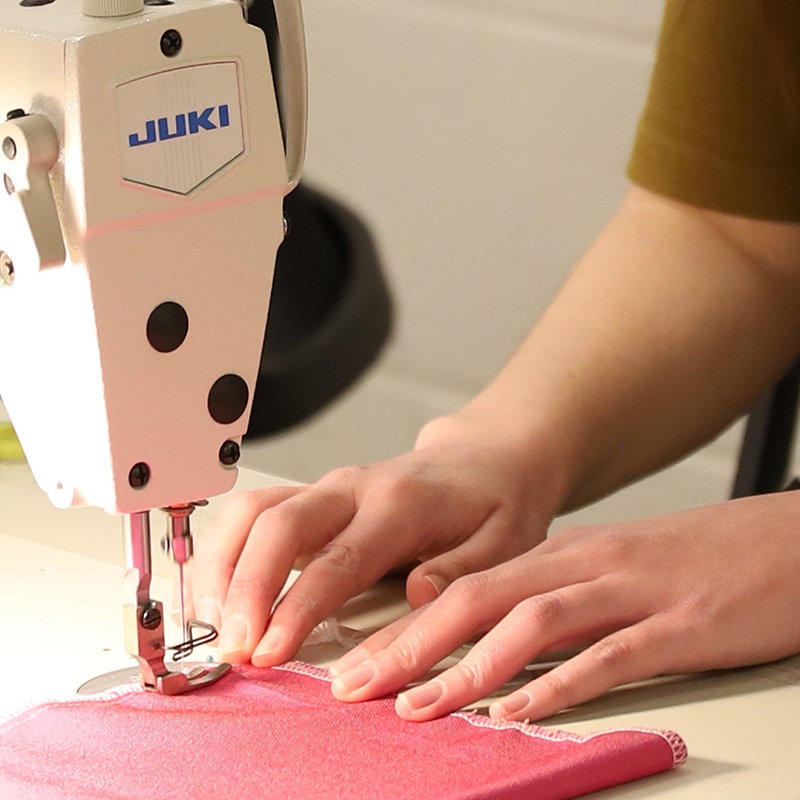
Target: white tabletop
{"points": [[60, 624]]}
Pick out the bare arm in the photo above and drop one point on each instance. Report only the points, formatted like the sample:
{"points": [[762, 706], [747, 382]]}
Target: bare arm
{"points": [[669, 327]]}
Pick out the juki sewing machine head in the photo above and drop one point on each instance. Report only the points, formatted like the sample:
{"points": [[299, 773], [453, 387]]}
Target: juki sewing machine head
{"points": [[144, 158]]}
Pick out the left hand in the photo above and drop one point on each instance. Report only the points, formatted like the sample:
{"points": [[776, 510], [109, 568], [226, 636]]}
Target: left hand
{"points": [[711, 588], [357, 523]]}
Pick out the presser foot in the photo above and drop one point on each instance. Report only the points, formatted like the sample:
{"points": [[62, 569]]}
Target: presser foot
{"points": [[144, 639], [179, 682], [198, 676], [143, 617]]}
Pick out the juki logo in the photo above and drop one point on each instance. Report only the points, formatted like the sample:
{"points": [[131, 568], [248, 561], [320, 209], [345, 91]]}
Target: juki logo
{"points": [[158, 130]]}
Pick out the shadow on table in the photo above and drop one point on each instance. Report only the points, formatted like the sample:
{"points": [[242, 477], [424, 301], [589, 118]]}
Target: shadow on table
{"points": [[694, 771], [677, 690]]}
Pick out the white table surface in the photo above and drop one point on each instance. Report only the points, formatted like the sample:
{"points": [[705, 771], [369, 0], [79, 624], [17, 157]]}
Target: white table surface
{"points": [[60, 624]]}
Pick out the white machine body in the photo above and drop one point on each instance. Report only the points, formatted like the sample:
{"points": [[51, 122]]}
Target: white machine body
{"points": [[141, 208]]}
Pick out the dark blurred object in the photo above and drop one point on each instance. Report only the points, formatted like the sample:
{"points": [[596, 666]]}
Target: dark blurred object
{"points": [[329, 316], [262, 14], [330, 312], [768, 438]]}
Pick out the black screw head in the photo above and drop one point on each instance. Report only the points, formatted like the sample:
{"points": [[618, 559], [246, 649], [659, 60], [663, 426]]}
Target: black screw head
{"points": [[151, 617], [15, 113], [9, 148], [171, 43], [139, 475], [229, 453]]}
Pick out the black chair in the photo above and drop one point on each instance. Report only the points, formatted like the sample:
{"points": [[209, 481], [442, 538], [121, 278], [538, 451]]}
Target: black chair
{"points": [[767, 444]]}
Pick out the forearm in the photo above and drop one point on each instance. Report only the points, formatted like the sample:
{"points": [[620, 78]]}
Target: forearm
{"points": [[668, 329]]}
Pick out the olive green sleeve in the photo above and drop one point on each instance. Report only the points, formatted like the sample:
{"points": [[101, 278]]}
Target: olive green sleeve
{"points": [[717, 130]]}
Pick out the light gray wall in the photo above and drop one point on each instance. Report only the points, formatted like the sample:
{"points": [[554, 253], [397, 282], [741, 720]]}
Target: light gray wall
{"points": [[484, 141]]}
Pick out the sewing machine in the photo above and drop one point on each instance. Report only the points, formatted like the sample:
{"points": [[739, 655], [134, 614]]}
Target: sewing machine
{"points": [[145, 152]]}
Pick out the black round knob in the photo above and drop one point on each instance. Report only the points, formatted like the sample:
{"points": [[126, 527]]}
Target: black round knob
{"points": [[228, 398], [167, 327]]}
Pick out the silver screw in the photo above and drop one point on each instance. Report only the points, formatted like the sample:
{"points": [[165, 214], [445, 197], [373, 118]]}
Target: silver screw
{"points": [[9, 148], [6, 269]]}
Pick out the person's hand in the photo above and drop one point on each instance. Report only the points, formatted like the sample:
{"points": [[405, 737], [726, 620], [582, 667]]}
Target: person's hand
{"points": [[711, 588], [466, 499]]}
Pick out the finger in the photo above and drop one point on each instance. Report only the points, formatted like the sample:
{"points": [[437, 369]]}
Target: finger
{"points": [[375, 540], [306, 520], [625, 656], [470, 605], [528, 629], [423, 641], [217, 549], [488, 546], [378, 641]]}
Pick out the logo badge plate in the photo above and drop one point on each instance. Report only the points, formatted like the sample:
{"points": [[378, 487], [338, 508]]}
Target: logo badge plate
{"points": [[180, 127]]}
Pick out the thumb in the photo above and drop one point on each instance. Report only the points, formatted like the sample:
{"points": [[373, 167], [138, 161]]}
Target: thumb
{"points": [[432, 577]]}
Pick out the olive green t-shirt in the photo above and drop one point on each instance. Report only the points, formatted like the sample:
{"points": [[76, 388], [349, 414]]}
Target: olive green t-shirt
{"points": [[719, 129]]}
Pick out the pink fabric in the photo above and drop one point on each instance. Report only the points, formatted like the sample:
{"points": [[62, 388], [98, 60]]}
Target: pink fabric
{"points": [[279, 734]]}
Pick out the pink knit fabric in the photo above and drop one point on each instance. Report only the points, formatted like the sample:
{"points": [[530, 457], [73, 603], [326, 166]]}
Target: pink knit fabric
{"points": [[279, 734]]}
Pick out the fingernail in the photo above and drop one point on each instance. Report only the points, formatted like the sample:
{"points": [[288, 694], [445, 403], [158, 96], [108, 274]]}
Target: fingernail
{"points": [[208, 611], [347, 662], [509, 706], [438, 583], [234, 636], [422, 696], [268, 646], [354, 679]]}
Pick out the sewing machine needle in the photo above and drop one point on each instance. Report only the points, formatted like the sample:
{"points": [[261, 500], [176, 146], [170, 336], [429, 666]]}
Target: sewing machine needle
{"points": [[183, 603]]}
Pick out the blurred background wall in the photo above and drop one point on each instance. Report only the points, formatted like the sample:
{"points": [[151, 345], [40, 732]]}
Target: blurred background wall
{"points": [[484, 143]]}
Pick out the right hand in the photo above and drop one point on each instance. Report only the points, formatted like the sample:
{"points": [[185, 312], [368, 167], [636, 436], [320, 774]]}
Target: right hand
{"points": [[709, 588], [467, 498]]}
